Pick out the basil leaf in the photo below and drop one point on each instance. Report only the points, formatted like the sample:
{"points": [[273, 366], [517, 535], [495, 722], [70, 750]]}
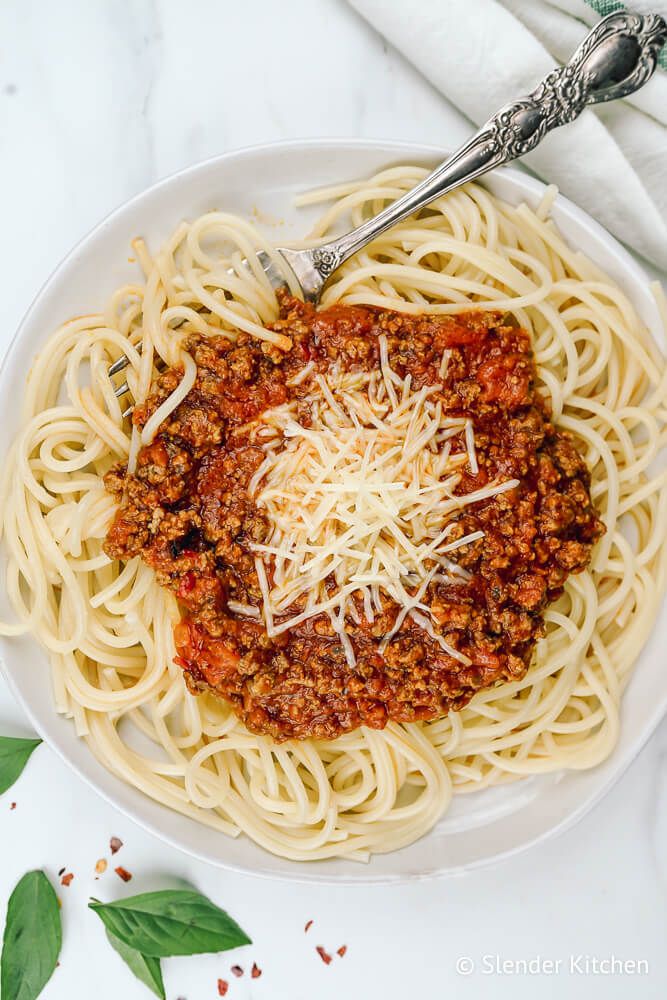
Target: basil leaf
{"points": [[170, 922], [145, 968], [32, 940], [14, 754]]}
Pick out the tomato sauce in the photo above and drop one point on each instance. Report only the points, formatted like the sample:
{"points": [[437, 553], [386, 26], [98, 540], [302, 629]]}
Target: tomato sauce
{"points": [[186, 511]]}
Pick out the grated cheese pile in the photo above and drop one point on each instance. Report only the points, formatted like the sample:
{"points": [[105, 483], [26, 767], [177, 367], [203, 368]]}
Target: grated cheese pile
{"points": [[361, 502]]}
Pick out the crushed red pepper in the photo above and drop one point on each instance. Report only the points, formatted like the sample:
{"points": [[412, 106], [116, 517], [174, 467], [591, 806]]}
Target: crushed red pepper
{"points": [[324, 954], [237, 971], [123, 873], [309, 924], [223, 986], [255, 972], [187, 513], [12, 806], [115, 844], [341, 951], [67, 879]]}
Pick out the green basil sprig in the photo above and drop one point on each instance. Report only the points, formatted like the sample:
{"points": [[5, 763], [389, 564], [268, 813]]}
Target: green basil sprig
{"points": [[170, 922], [14, 755], [32, 938], [145, 967], [154, 925]]}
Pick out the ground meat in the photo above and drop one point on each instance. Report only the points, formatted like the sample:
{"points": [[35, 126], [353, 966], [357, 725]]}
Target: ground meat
{"points": [[186, 511]]}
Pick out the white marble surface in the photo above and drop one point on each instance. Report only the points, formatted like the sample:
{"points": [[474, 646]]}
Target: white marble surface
{"points": [[98, 98]]}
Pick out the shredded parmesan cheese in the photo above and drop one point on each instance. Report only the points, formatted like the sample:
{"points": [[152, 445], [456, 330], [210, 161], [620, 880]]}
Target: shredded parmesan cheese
{"points": [[249, 610], [362, 502]]}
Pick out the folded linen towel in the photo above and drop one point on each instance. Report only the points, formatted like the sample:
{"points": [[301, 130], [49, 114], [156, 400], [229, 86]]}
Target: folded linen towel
{"points": [[482, 53]]}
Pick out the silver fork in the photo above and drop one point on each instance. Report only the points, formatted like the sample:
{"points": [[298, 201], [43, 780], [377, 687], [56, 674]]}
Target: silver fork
{"points": [[615, 59]]}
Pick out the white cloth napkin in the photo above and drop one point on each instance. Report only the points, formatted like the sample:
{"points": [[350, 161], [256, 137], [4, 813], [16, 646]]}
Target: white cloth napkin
{"points": [[482, 53]]}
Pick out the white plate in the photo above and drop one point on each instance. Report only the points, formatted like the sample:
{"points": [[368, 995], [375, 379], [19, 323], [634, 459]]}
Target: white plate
{"points": [[261, 182]]}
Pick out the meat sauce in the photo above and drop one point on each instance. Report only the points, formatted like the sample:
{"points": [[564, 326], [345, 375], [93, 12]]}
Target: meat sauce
{"points": [[187, 513]]}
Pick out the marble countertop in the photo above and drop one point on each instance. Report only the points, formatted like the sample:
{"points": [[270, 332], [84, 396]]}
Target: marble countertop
{"points": [[98, 99]]}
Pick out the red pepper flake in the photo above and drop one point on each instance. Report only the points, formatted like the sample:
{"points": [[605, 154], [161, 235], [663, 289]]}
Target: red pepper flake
{"points": [[223, 986], [13, 805], [308, 926], [324, 955], [67, 879], [341, 951], [237, 971], [256, 971], [115, 844], [101, 866], [123, 873]]}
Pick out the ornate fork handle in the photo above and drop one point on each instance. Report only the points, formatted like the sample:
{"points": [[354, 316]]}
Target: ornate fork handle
{"points": [[615, 59]]}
